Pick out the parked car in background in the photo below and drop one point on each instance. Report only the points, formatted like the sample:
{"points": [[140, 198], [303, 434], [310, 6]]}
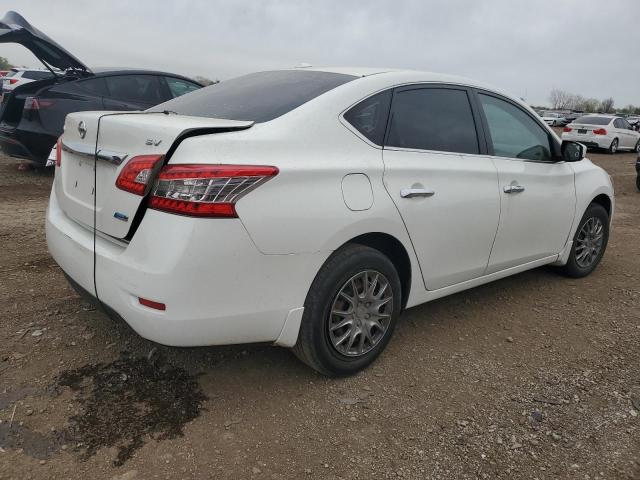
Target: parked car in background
{"points": [[638, 172], [634, 121], [3, 73], [19, 76], [32, 115], [553, 119], [609, 132], [571, 116], [390, 184]]}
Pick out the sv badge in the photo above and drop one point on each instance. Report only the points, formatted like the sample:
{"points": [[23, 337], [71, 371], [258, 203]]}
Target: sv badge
{"points": [[151, 141]]}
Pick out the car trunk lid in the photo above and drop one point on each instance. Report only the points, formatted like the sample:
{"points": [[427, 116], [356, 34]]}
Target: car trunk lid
{"points": [[15, 29], [97, 146]]}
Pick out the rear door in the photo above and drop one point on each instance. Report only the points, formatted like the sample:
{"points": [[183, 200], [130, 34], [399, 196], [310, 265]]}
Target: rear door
{"points": [[443, 186], [537, 193]]}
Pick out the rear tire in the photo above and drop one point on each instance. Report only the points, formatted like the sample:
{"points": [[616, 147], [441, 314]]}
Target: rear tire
{"points": [[589, 242], [637, 147], [638, 182], [613, 148], [339, 306]]}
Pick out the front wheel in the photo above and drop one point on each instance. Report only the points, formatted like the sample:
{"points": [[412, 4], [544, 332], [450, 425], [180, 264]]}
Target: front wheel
{"points": [[589, 242], [350, 311]]}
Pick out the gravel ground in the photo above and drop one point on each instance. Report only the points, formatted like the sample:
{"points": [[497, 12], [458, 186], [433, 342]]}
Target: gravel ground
{"points": [[534, 376]]}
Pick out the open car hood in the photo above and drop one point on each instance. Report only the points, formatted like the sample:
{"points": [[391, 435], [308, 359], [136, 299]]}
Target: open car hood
{"points": [[15, 29]]}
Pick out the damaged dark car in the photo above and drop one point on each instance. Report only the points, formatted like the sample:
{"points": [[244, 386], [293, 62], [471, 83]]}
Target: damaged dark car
{"points": [[32, 115]]}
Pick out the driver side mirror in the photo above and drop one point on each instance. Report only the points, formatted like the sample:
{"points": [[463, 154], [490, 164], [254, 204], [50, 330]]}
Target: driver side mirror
{"points": [[572, 151]]}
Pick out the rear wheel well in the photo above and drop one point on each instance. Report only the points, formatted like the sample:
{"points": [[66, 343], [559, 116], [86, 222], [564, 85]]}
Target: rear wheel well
{"points": [[394, 250], [604, 201]]}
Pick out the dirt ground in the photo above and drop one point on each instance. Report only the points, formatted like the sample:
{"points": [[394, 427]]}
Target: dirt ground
{"points": [[534, 376]]}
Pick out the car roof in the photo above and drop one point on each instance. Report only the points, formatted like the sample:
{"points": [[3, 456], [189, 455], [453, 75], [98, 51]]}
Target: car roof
{"points": [[104, 72]]}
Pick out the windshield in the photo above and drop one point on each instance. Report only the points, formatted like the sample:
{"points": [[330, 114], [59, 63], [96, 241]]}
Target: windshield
{"points": [[257, 97], [591, 120]]}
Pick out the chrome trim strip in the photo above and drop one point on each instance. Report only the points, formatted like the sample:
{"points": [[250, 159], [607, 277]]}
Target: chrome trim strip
{"points": [[85, 150]]}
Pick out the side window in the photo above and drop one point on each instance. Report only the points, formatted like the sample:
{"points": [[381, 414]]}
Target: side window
{"points": [[433, 119], [95, 86], [514, 134], [136, 88], [369, 117], [625, 124], [617, 123], [179, 87], [35, 75]]}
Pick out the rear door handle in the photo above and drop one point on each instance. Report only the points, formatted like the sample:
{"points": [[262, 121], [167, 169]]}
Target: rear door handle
{"points": [[416, 192], [513, 189]]}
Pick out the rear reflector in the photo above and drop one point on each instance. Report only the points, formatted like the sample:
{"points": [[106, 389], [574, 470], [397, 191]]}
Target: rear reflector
{"points": [[206, 190], [136, 175], [152, 304], [567, 129], [600, 131], [59, 152]]}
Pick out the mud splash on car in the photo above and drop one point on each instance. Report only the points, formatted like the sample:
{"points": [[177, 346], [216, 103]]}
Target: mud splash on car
{"points": [[124, 401]]}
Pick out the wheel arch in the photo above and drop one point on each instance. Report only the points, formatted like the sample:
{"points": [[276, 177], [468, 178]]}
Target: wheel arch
{"points": [[604, 200], [395, 251]]}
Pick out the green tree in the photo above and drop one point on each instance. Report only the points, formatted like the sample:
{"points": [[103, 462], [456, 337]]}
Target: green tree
{"points": [[4, 64]]}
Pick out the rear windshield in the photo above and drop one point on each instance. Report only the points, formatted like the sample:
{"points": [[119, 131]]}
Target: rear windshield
{"points": [[36, 75], [257, 97], [593, 120]]}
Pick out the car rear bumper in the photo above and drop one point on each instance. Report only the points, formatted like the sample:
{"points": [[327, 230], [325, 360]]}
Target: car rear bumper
{"points": [[24, 144], [590, 141], [217, 287]]}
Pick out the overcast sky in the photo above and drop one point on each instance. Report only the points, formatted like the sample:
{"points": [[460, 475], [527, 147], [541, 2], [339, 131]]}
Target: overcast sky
{"points": [[528, 47]]}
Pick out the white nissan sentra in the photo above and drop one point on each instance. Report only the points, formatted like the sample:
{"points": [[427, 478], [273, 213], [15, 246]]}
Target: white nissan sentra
{"points": [[309, 207]]}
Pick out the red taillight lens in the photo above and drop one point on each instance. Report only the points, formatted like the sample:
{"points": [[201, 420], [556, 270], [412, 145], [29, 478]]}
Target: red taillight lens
{"points": [[567, 129], [206, 190], [137, 174], [600, 131], [13, 81], [32, 103], [59, 152]]}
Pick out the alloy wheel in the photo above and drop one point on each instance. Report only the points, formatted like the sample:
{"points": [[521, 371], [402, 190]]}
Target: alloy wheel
{"points": [[589, 242], [360, 313]]}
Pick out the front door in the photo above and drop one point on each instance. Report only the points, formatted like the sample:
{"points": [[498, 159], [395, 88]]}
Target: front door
{"points": [[537, 193], [446, 192]]}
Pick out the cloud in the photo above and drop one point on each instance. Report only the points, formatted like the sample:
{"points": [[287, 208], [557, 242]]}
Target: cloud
{"points": [[525, 46]]}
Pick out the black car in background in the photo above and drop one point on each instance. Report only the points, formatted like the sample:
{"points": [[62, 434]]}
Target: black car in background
{"points": [[32, 115]]}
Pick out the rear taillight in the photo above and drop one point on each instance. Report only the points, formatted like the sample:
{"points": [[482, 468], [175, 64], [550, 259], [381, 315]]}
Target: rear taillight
{"points": [[32, 103], [137, 174], [59, 152], [600, 131], [13, 81], [567, 129], [206, 190]]}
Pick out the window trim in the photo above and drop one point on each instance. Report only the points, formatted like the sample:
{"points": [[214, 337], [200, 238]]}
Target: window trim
{"points": [[553, 143]]}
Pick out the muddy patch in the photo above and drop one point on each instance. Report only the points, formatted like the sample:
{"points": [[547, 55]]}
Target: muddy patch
{"points": [[124, 401]]}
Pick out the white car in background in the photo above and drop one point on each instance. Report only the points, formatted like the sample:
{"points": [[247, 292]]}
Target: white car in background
{"points": [[609, 132], [20, 76], [309, 207], [553, 119]]}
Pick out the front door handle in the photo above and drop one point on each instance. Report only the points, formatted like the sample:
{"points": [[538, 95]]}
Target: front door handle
{"points": [[513, 189], [416, 192]]}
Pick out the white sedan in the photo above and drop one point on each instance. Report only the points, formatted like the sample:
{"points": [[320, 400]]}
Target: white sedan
{"points": [[609, 132], [309, 207], [553, 119]]}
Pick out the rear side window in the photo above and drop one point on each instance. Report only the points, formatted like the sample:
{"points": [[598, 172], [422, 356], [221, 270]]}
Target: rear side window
{"points": [[591, 120], [433, 119], [259, 97], [514, 134], [95, 86], [179, 87], [137, 88], [369, 117]]}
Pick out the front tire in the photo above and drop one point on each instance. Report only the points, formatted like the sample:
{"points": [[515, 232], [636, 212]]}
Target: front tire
{"points": [[613, 148], [350, 311], [589, 242]]}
